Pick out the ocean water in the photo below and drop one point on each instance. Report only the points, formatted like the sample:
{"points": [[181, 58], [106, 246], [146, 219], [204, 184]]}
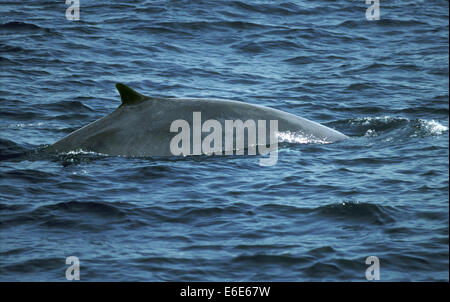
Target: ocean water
{"points": [[314, 216]]}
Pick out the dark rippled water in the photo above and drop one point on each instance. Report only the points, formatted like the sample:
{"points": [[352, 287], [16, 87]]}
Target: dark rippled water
{"points": [[316, 215]]}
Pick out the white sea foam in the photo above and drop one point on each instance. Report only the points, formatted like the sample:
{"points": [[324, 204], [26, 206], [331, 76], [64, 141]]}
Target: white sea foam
{"points": [[23, 125], [427, 127], [371, 133], [433, 127], [298, 138], [82, 152], [366, 121]]}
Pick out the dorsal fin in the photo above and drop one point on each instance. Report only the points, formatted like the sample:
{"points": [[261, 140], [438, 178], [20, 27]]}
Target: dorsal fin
{"points": [[128, 95]]}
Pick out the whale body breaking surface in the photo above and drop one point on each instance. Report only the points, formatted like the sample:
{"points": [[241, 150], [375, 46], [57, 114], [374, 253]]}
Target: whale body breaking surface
{"points": [[141, 125]]}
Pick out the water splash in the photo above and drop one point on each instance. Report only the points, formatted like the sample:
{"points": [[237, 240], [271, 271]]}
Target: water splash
{"points": [[374, 126], [82, 152], [432, 127], [299, 138], [367, 121]]}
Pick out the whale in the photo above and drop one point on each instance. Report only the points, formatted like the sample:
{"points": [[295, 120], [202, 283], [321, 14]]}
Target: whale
{"points": [[142, 126]]}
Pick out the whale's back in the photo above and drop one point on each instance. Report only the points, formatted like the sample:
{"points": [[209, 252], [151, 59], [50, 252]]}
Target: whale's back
{"points": [[141, 125]]}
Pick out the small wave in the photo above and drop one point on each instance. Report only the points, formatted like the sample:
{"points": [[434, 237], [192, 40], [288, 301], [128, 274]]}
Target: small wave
{"points": [[209, 25], [437, 109], [32, 265], [374, 126], [19, 114], [373, 67], [71, 214], [190, 214], [19, 26], [151, 10], [5, 61], [301, 60], [352, 211], [65, 106], [283, 9], [400, 23], [85, 207], [358, 211], [249, 47], [12, 207], [30, 175], [432, 127], [11, 49], [7, 146], [259, 259], [9, 149], [159, 30], [379, 120], [150, 172], [359, 86], [382, 22]]}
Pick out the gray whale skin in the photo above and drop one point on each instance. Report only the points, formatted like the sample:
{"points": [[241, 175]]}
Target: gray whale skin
{"points": [[140, 126]]}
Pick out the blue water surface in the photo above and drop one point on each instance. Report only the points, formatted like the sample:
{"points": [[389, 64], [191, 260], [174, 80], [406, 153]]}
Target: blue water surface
{"points": [[314, 216]]}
